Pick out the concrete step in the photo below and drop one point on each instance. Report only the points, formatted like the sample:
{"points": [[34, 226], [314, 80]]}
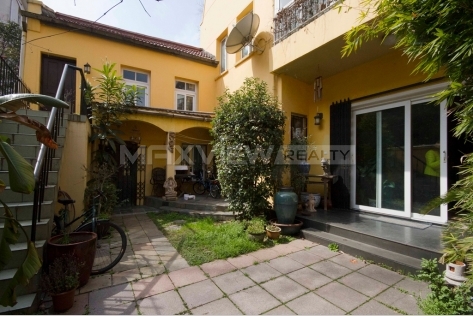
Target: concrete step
{"points": [[56, 163], [30, 288], [25, 305], [355, 233], [33, 150], [28, 139], [11, 127], [43, 229], [395, 260], [52, 177], [19, 253], [8, 196], [24, 210], [217, 215]]}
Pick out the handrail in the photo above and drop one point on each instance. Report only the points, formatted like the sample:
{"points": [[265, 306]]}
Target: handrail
{"points": [[10, 83], [45, 154]]}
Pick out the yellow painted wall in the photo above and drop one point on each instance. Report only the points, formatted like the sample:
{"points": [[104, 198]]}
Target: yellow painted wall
{"points": [[72, 176], [163, 68]]}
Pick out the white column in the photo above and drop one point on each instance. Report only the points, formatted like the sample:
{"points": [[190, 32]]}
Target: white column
{"points": [[170, 156]]}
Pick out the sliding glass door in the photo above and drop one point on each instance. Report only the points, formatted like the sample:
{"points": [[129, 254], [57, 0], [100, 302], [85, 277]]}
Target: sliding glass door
{"points": [[400, 159]]}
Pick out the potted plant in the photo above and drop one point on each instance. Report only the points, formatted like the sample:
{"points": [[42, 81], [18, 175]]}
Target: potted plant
{"points": [[255, 229], [272, 231], [454, 253], [61, 281]]}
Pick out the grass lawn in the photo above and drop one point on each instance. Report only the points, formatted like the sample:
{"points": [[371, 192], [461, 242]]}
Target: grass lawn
{"points": [[201, 240]]}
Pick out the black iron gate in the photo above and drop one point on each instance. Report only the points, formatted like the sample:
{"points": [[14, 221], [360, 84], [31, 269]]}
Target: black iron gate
{"points": [[131, 176]]}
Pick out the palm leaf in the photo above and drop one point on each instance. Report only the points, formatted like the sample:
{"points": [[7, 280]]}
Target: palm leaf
{"points": [[20, 172], [14, 102], [29, 267]]}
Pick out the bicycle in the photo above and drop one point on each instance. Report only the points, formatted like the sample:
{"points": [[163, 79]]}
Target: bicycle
{"points": [[111, 239], [210, 184]]}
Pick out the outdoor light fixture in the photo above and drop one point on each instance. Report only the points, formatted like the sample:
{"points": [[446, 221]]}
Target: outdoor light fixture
{"points": [[87, 68], [318, 118], [135, 135]]}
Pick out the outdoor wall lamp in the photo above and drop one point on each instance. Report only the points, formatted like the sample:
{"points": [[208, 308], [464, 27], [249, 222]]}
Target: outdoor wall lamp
{"points": [[87, 68], [318, 118]]}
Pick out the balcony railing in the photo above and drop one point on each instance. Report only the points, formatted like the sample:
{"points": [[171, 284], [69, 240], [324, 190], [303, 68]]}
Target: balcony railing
{"points": [[9, 81], [297, 15]]}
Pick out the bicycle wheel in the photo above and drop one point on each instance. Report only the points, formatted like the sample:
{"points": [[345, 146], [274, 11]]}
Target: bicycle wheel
{"points": [[111, 244], [199, 188], [214, 191]]}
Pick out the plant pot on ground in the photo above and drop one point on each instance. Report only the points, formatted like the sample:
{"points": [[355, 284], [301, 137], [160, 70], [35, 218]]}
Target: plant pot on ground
{"points": [[256, 230], [61, 282], [273, 232], [80, 245]]}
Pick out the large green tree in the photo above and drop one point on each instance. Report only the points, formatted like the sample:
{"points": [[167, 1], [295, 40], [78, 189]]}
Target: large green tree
{"points": [[248, 131], [10, 43]]}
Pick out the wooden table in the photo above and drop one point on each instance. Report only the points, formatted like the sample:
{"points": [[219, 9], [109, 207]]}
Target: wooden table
{"points": [[327, 181]]}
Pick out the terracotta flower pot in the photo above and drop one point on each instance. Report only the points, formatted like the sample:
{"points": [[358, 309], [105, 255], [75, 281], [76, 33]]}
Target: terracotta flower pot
{"points": [[82, 247], [273, 233], [63, 301]]}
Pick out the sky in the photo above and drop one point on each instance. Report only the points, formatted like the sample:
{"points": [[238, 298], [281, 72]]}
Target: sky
{"points": [[175, 20]]}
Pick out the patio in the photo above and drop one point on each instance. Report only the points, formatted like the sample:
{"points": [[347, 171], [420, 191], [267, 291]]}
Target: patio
{"points": [[301, 277]]}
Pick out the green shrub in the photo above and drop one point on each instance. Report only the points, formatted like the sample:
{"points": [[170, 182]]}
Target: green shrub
{"points": [[256, 226], [443, 299]]}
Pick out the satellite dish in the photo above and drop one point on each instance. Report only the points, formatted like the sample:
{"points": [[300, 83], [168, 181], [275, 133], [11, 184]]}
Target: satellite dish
{"points": [[243, 34]]}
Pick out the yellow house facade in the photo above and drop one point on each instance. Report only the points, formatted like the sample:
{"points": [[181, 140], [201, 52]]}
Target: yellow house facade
{"points": [[375, 121], [175, 81]]}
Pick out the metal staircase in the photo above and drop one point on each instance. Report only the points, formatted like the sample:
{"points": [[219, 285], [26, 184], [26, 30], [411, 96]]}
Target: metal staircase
{"points": [[23, 140]]}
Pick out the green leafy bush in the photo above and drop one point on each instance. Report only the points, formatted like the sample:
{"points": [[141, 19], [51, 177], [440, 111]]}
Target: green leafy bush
{"points": [[256, 226], [443, 299], [248, 131]]}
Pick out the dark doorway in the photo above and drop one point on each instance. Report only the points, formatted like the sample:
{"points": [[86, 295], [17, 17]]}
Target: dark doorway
{"points": [[51, 72]]}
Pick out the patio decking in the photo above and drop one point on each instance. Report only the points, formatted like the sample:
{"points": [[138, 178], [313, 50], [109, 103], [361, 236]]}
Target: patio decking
{"points": [[301, 277]]}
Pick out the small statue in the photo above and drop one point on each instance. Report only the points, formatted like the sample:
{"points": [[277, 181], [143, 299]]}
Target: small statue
{"points": [[311, 204], [170, 184]]}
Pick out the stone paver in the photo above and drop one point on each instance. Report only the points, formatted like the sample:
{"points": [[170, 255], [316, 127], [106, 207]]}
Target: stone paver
{"points": [[330, 269], [285, 264], [380, 274], [309, 278], [200, 293], [152, 286], [348, 261], [187, 276], [233, 282], [363, 284], [280, 310], [305, 257], [264, 254], [167, 303], [284, 289], [323, 252], [242, 261], [341, 296], [311, 304], [395, 298], [261, 272], [373, 308], [254, 301], [300, 277], [217, 267], [222, 306]]}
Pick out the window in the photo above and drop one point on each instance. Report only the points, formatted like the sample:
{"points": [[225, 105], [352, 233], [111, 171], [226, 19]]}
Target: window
{"points": [[141, 81], [298, 125], [246, 50], [223, 55], [284, 3], [186, 95]]}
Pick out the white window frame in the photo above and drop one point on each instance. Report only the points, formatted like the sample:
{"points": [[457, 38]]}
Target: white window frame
{"points": [[223, 55], [138, 84], [277, 5], [186, 93]]}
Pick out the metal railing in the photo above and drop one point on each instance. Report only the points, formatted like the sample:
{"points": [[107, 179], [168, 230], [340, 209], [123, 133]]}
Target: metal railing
{"points": [[46, 155], [289, 20], [10, 83]]}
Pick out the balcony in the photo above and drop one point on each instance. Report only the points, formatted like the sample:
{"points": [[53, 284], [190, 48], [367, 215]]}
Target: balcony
{"points": [[297, 15]]}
